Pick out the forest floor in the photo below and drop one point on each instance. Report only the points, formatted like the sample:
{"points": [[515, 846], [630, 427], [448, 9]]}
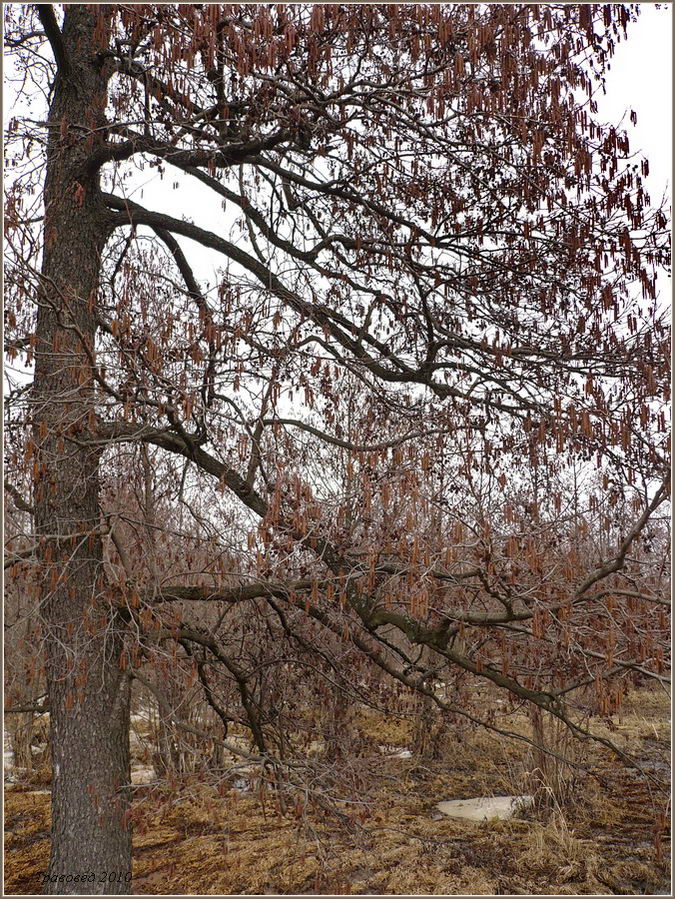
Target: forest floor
{"points": [[196, 841]]}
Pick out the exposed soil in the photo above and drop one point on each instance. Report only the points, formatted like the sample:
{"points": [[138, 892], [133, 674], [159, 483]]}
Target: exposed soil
{"points": [[197, 841]]}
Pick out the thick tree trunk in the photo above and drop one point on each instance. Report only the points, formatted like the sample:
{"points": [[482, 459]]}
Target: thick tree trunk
{"points": [[88, 692]]}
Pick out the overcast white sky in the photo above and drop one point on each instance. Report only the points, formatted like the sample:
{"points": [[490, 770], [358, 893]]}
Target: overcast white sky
{"points": [[641, 78]]}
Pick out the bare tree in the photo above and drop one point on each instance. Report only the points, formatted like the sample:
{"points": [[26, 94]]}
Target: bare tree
{"points": [[437, 301]]}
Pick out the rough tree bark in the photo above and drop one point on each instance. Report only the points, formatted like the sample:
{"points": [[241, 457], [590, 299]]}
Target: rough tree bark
{"points": [[88, 693]]}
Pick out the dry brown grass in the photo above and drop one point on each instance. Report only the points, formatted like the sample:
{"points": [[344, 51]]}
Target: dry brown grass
{"points": [[200, 842], [387, 731]]}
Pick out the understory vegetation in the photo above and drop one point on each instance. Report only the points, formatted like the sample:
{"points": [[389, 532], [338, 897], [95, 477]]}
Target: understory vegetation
{"points": [[194, 835]]}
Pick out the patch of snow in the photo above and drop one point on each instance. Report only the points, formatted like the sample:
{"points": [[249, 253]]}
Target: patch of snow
{"points": [[242, 784], [396, 752], [484, 808]]}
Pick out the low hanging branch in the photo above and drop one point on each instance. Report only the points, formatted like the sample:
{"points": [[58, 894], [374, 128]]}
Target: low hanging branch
{"points": [[47, 17], [374, 616]]}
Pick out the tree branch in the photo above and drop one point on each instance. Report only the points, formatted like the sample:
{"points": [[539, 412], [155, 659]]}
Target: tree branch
{"points": [[19, 501], [47, 17], [335, 323]]}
